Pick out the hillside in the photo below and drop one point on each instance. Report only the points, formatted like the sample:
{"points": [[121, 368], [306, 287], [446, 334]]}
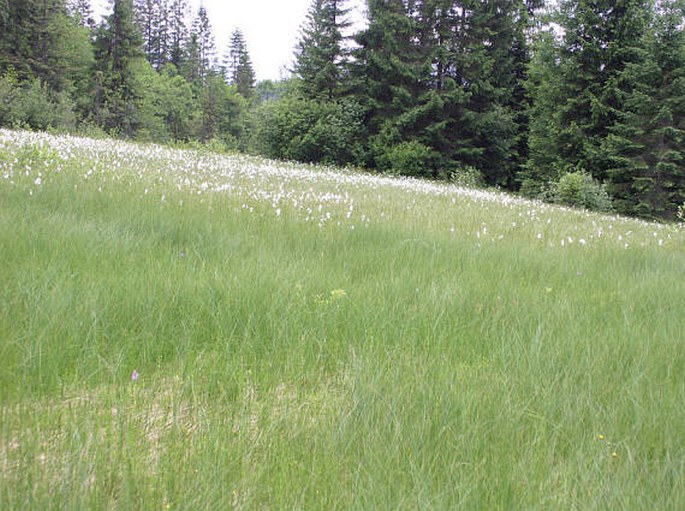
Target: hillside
{"points": [[189, 330]]}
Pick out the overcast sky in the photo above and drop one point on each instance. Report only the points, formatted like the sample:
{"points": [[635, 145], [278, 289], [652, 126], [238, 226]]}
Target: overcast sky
{"points": [[271, 28]]}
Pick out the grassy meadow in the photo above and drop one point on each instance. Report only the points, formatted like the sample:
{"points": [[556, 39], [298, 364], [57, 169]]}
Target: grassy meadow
{"points": [[186, 330]]}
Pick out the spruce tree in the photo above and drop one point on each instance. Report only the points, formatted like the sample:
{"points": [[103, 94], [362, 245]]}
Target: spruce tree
{"points": [[153, 19], [387, 66], [177, 31], [444, 78], [489, 59], [602, 38], [50, 15], [238, 66], [30, 31], [544, 87], [41, 41], [583, 90], [118, 45], [17, 20], [320, 54], [147, 18], [4, 13], [82, 11], [648, 171], [203, 44]]}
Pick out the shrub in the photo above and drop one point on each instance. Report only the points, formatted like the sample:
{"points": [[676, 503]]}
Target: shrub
{"points": [[32, 105], [410, 158], [579, 189], [310, 131], [467, 176]]}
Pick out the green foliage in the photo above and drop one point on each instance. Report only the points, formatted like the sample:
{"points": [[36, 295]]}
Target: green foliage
{"points": [[166, 108], [493, 89], [448, 75], [220, 114], [320, 54], [409, 158], [604, 99], [239, 70], [152, 19], [33, 105], [118, 44], [579, 189], [200, 50], [467, 176], [311, 131], [37, 158], [648, 173], [270, 90]]}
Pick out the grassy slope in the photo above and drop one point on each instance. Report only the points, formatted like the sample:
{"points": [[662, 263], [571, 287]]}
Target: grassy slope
{"points": [[418, 350]]}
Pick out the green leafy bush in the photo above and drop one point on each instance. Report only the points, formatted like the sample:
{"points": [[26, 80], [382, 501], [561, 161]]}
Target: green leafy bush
{"points": [[32, 105], [410, 158], [311, 131], [579, 189], [467, 176]]}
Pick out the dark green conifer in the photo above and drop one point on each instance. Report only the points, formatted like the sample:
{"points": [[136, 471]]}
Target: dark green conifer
{"points": [[238, 66], [320, 54], [118, 45]]}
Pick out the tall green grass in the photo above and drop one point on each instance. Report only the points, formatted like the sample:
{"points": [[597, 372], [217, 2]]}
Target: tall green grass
{"points": [[284, 365]]}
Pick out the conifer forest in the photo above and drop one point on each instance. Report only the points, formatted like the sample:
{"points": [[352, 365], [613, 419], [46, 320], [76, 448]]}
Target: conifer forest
{"points": [[577, 102]]}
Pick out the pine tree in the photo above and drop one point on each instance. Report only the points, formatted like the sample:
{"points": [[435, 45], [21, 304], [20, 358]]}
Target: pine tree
{"points": [[320, 53], [238, 66]]}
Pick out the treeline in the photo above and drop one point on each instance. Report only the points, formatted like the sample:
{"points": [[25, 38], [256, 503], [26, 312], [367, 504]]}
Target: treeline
{"points": [[580, 102], [148, 71]]}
